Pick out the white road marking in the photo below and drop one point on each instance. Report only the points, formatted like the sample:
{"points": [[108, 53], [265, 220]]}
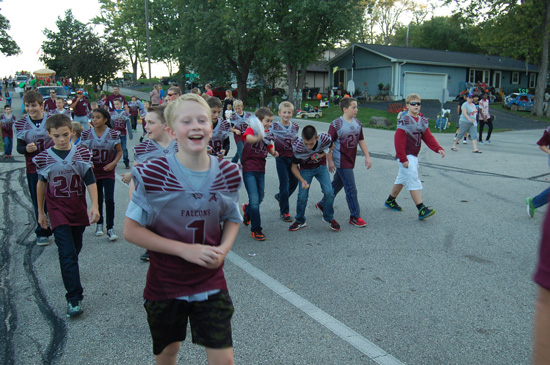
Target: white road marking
{"points": [[374, 352]]}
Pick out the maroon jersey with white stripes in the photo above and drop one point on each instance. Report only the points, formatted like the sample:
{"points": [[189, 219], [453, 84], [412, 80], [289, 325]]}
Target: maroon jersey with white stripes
{"points": [[57, 111], [7, 125], [346, 136], [66, 191], [149, 149], [240, 122], [219, 134], [302, 153], [180, 211], [414, 128], [103, 150], [28, 132], [254, 155], [120, 119], [284, 137]]}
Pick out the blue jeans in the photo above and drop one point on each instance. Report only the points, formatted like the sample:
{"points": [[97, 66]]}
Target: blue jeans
{"points": [[239, 153], [254, 182], [541, 199], [322, 175], [8, 145], [69, 243], [32, 181], [287, 182], [106, 189], [124, 150], [344, 178]]}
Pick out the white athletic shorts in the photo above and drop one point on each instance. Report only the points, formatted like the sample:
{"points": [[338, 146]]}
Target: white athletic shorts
{"points": [[409, 176]]}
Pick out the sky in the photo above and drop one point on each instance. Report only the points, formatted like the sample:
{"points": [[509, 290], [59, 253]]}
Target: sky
{"points": [[29, 18]]}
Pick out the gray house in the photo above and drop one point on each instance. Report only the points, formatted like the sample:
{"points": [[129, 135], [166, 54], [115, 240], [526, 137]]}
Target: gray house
{"points": [[429, 73]]}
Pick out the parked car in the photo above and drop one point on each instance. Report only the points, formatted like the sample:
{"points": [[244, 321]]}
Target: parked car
{"points": [[219, 92], [309, 112], [45, 91], [519, 101]]}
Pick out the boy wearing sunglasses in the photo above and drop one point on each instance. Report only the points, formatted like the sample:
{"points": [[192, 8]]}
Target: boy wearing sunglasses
{"points": [[412, 129]]}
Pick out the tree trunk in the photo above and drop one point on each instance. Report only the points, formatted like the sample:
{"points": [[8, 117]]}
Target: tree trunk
{"points": [[543, 69], [291, 81], [241, 86]]}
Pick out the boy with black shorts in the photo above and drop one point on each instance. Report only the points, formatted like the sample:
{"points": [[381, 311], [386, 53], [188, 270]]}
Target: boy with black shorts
{"points": [[412, 129], [184, 211], [65, 170]]}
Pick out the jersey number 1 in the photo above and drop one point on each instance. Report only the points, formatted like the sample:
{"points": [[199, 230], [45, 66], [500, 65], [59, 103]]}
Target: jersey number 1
{"points": [[198, 230]]}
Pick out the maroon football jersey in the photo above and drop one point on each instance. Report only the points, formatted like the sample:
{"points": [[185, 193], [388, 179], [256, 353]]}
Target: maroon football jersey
{"points": [[103, 150], [302, 153], [149, 149], [284, 137], [219, 134], [346, 137], [254, 155], [28, 132], [240, 122], [180, 211], [66, 191]]}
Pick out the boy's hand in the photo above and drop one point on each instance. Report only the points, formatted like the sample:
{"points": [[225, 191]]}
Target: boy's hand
{"points": [[43, 220], [331, 167], [275, 154], [368, 162], [442, 153], [109, 166], [221, 154], [237, 132], [127, 177], [208, 149], [31, 147], [203, 255], [406, 164], [305, 185], [93, 215]]}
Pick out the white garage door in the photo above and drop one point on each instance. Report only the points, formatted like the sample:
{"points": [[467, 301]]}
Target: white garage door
{"points": [[428, 86]]}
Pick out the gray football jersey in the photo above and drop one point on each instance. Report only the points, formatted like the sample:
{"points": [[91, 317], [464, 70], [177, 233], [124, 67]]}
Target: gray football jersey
{"points": [[149, 149]]}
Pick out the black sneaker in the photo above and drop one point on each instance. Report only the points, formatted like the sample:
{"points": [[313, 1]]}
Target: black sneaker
{"points": [[392, 205], [276, 196], [145, 256], [425, 212], [333, 225], [74, 308], [296, 226]]}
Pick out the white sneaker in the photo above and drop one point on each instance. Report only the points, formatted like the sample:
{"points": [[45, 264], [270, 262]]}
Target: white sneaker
{"points": [[464, 141], [111, 234], [99, 230], [43, 241]]}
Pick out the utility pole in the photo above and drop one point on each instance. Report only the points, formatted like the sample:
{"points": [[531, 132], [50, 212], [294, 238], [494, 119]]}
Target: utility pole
{"points": [[147, 36]]}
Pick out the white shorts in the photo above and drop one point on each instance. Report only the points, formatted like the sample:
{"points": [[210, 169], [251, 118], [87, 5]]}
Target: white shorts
{"points": [[409, 176]]}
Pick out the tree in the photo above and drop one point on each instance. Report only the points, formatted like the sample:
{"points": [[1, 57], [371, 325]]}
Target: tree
{"points": [[521, 30], [7, 45], [77, 52], [303, 29], [124, 23], [387, 15]]}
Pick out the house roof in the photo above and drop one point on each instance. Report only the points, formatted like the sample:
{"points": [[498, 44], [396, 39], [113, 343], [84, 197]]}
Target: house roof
{"points": [[444, 58]]}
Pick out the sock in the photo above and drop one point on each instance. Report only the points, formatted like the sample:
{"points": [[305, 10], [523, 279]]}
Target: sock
{"points": [[419, 206], [391, 198]]}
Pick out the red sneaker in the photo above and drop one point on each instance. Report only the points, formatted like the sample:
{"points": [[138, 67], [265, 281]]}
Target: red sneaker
{"points": [[357, 222], [286, 217], [333, 225], [257, 235]]}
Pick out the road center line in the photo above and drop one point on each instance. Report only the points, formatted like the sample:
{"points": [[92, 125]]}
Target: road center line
{"points": [[341, 330]]}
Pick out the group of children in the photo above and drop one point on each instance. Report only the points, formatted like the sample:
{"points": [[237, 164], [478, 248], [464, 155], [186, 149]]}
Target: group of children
{"points": [[184, 202]]}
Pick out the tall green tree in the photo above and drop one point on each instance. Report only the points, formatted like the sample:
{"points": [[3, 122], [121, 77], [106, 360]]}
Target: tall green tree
{"points": [[519, 29], [77, 52], [8, 46], [303, 29], [124, 23]]}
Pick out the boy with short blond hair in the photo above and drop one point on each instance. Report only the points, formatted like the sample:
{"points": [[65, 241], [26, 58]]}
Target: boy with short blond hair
{"points": [[184, 211], [77, 131], [59, 107], [65, 170], [411, 130], [309, 161], [221, 128], [285, 132], [258, 144], [347, 133], [33, 138], [238, 126]]}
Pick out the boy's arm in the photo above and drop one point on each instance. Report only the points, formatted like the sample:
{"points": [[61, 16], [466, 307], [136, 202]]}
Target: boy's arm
{"points": [[252, 139], [545, 149], [272, 152], [296, 173], [40, 199], [432, 143], [93, 213], [229, 234], [363, 146], [118, 156], [202, 255]]}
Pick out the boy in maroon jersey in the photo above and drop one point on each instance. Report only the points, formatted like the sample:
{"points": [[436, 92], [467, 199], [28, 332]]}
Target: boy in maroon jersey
{"points": [[184, 211], [120, 119], [64, 171], [7, 119], [220, 128], [412, 129], [32, 138], [255, 151]]}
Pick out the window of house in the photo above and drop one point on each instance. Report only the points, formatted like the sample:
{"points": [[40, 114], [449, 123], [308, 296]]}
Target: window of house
{"points": [[515, 78], [497, 76], [475, 76], [532, 81]]}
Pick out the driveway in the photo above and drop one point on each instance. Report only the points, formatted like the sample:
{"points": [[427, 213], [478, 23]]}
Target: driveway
{"points": [[504, 120]]}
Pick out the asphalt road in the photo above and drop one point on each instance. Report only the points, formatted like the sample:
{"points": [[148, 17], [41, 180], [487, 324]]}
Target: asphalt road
{"points": [[453, 289]]}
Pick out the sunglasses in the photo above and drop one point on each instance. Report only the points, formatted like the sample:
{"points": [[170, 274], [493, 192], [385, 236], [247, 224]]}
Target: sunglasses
{"points": [[171, 94], [415, 103]]}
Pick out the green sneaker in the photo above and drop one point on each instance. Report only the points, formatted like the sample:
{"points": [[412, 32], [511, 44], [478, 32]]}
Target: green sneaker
{"points": [[74, 309], [393, 205], [425, 212], [530, 207]]}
